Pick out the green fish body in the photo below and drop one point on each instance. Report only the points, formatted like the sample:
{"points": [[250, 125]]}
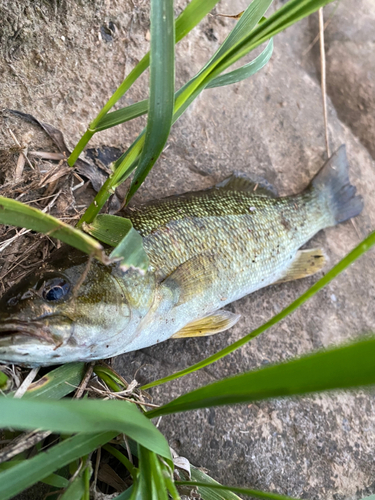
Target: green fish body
{"points": [[206, 249]]}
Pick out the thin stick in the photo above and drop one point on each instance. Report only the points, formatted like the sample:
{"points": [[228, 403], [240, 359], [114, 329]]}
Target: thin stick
{"points": [[83, 277], [323, 78], [130, 456], [21, 148], [97, 463], [22, 443], [329, 20], [82, 387], [26, 383]]}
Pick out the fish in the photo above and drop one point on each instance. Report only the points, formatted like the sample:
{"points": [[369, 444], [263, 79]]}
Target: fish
{"points": [[206, 249]]}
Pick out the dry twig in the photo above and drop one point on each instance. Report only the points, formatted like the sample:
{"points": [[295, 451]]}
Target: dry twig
{"points": [[323, 78]]}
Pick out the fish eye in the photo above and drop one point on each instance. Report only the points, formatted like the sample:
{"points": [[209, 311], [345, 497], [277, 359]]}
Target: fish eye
{"points": [[55, 289]]}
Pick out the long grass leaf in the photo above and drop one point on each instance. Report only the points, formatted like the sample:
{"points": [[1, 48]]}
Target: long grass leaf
{"points": [[121, 458], [33, 470], [3, 380], [57, 383], [122, 115], [140, 108], [131, 253], [83, 416], [363, 247], [75, 490], [109, 229], [195, 11], [245, 71], [125, 495], [18, 214], [161, 100], [205, 488], [119, 232], [52, 480], [205, 492], [340, 368]]}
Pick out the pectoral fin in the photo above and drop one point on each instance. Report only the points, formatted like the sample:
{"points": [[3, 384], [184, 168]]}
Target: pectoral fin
{"points": [[306, 263], [192, 277], [209, 325]]}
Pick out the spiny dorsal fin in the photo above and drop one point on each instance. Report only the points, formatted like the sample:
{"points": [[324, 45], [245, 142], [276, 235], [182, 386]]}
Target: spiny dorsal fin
{"points": [[250, 183], [215, 323], [192, 277], [306, 263]]}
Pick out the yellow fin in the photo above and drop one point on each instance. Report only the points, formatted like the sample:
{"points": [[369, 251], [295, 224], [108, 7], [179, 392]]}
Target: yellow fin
{"points": [[209, 325], [306, 263]]}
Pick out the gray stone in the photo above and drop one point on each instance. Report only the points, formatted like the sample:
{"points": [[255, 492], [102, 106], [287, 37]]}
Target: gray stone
{"points": [[272, 124], [350, 39]]}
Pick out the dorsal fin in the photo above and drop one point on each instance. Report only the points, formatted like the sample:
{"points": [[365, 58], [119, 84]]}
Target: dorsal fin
{"points": [[209, 325], [250, 183], [306, 263]]}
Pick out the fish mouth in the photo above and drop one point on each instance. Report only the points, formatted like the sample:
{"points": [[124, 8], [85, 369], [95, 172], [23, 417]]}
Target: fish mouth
{"points": [[9, 329]]}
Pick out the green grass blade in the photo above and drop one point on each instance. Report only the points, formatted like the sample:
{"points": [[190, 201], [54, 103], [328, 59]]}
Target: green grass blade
{"points": [[340, 368], [192, 15], [150, 484], [76, 489], [131, 253], [88, 416], [140, 108], [363, 247], [247, 23], [187, 20], [33, 470], [122, 115], [57, 383], [122, 458], [161, 101], [52, 480], [18, 214], [245, 71], [207, 491], [125, 495], [56, 481], [109, 229], [119, 232], [3, 381], [288, 14]]}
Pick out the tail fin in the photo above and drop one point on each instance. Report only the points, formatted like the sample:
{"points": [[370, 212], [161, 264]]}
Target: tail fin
{"points": [[333, 181]]}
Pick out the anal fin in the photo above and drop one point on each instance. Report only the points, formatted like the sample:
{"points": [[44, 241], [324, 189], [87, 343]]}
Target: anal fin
{"points": [[209, 325], [306, 263]]}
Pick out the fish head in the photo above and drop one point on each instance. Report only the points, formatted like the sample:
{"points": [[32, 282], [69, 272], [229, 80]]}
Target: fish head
{"points": [[71, 310]]}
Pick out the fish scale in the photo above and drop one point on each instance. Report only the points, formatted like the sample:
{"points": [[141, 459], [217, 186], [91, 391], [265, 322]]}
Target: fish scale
{"points": [[254, 228]]}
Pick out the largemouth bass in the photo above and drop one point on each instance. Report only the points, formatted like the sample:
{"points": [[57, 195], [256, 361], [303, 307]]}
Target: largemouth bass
{"points": [[206, 249]]}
